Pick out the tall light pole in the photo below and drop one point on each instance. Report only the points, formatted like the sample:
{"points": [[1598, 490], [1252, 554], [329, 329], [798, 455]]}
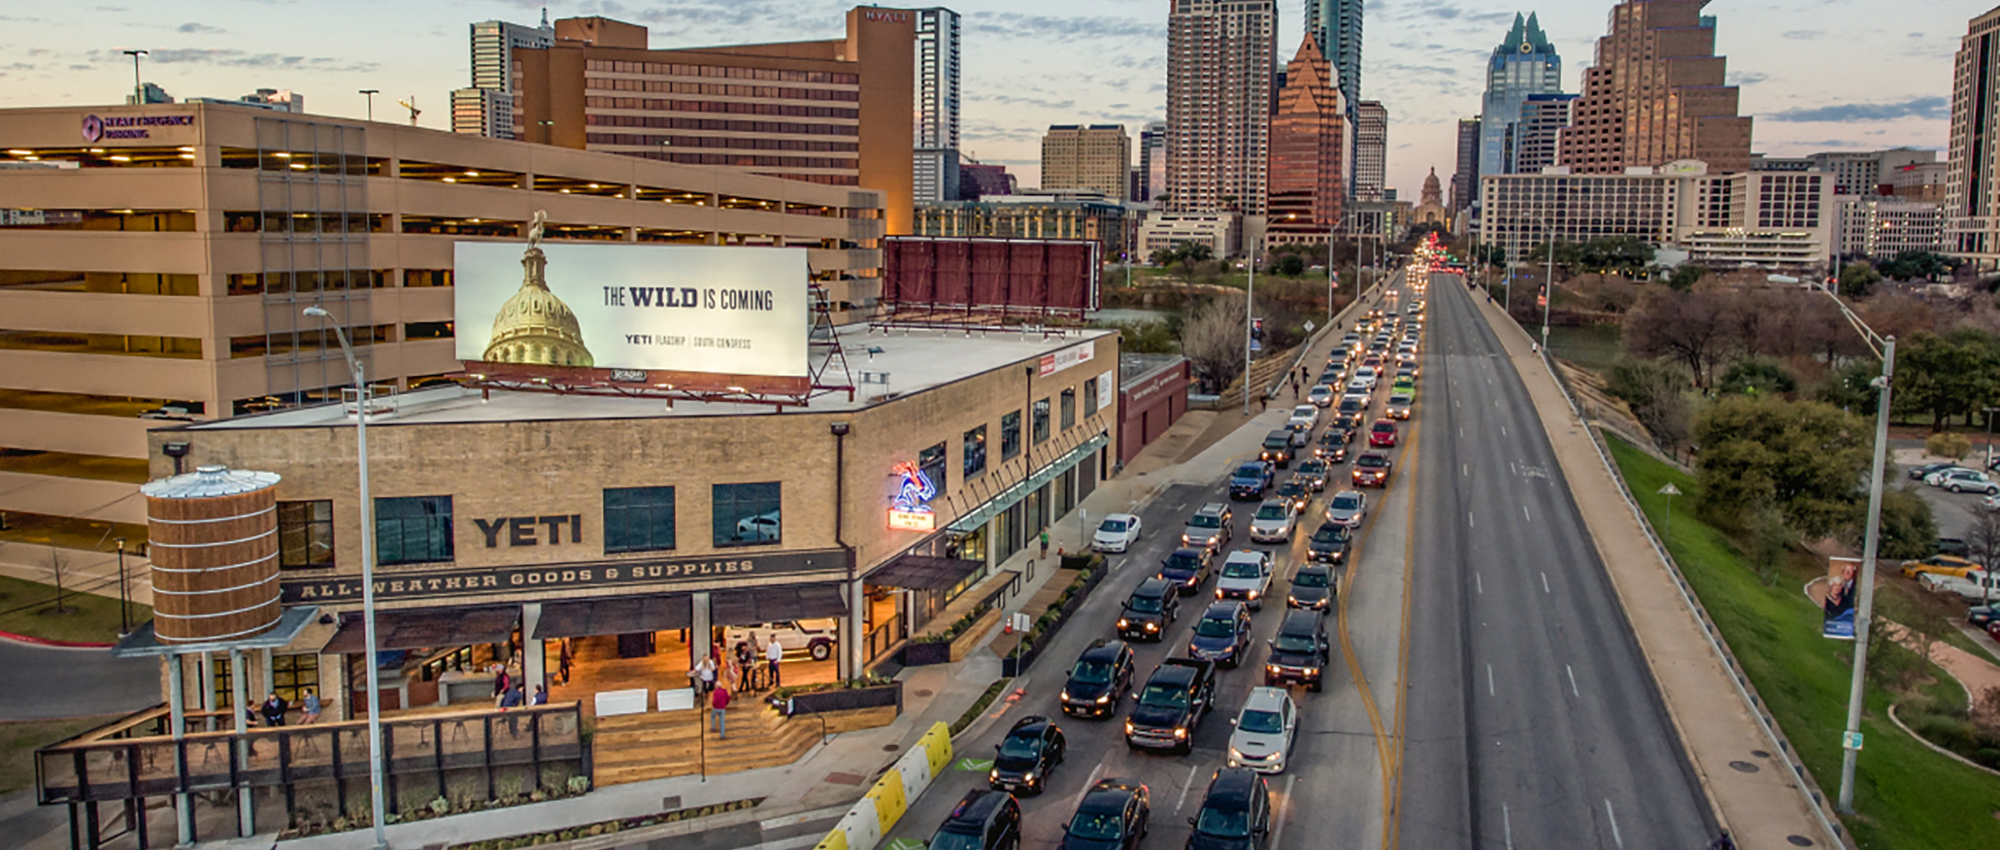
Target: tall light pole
{"points": [[124, 607], [1549, 285], [370, 94], [1249, 322], [376, 781], [138, 88], [1330, 276], [1989, 411]]}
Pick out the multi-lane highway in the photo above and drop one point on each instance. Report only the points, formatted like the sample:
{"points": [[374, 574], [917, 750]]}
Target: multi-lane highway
{"points": [[1485, 690]]}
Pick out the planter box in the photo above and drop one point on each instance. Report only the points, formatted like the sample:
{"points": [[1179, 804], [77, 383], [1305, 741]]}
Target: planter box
{"points": [[848, 699], [962, 645], [919, 654], [1015, 665], [859, 718]]}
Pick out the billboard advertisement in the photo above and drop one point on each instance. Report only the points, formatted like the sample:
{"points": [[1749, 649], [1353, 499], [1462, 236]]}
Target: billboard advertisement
{"points": [[674, 308], [1837, 621], [1013, 274]]}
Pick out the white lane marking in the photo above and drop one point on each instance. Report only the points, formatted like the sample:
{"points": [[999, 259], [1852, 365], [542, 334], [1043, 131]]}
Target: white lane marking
{"points": [[1545, 583], [1503, 430], [1278, 832], [1489, 681], [1461, 432], [1095, 772], [1468, 520], [1507, 823], [1464, 469], [1614, 822], [1185, 786], [1524, 514], [1478, 583], [1572, 682]]}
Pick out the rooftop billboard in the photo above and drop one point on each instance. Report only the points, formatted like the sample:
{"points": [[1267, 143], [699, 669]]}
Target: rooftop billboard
{"points": [[674, 308]]}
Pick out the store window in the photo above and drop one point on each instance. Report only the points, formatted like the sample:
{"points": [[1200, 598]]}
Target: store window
{"points": [[1041, 421], [638, 519], [305, 534], [1090, 401], [1010, 435], [747, 514], [291, 675], [413, 530], [975, 451], [931, 461], [1068, 408]]}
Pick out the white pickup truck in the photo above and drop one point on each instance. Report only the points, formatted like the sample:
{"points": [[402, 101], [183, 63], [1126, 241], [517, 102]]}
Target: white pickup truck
{"points": [[1975, 586]]}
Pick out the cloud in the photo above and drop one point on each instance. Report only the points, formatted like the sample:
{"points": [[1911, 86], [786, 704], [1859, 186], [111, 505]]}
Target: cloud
{"points": [[1803, 35], [193, 28], [1015, 100], [1746, 78], [1924, 108], [231, 58], [1049, 28]]}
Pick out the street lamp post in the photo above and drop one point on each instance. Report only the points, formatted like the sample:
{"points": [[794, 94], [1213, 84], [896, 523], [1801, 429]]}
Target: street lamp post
{"points": [[376, 781], [370, 94], [124, 608], [1330, 275], [138, 88], [1249, 322], [1549, 285], [1989, 411]]}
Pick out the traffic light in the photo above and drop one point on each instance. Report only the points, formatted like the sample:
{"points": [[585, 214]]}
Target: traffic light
{"points": [[1257, 329]]}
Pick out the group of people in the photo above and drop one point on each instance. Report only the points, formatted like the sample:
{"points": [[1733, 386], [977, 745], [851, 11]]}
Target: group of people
{"points": [[272, 711], [510, 691], [711, 677]]}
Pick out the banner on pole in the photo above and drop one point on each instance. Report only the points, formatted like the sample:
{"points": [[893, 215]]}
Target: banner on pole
{"points": [[1841, 576]]}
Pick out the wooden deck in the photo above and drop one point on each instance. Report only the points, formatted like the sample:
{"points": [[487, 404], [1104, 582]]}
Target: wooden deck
{"points": [[596, 667]]}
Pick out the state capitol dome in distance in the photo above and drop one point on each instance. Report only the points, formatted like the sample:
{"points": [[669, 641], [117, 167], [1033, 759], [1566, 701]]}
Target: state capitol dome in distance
{"points": [[535, 327]]}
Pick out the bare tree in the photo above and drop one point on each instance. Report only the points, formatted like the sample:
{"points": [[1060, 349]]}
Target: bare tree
{"points": [[1983, 542], [58, 567], [1693, 328], [1212, 339]]}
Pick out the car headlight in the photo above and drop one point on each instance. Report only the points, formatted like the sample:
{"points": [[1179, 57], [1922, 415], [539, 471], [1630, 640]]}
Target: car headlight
{"points": [[1128, 727], [1235, 754], [1272, 668], [1122, 622], [1065, 695], [1028, 777], [994, 776], [1103, 698], [1253, 594], [1185, 540], [1152, 627], [1180, 731], [1312, 671], [1218, 593], [1291, 600]]}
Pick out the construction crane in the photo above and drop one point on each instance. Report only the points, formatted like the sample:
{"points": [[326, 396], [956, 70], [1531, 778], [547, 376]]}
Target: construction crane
{"points": [[411, 105]]}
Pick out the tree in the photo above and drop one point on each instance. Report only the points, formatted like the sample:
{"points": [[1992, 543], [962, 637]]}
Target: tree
{"points": [[1849, 388], [1857, 279], [1288, 264], [1685, 275], [1185, 258], [1801, 458], [1212, 341], [1755, 375], [1657, 393], [1690, 328], [1982, 541], [1915, 265], [1769, 540], [1898, 315], [1946, 375], [1908, 529], [58, 568]]}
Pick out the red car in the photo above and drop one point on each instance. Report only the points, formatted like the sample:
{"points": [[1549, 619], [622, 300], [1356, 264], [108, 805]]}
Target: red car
{"points": [[1383, 434], [1372, 469]]}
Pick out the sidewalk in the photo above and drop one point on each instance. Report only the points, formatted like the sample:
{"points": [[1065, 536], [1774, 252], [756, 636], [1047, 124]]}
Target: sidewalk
{"points": [[1760, 809], [87, 572]]}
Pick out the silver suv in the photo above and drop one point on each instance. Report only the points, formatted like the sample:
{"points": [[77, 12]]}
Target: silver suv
{"points": [[1208, 527]]}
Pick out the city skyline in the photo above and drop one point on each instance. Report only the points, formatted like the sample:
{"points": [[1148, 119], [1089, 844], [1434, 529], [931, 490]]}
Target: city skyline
{"points": [[1026, 64]]}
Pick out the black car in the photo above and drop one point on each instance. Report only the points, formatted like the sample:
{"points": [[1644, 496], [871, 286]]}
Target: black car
{"points": [[1022, 762], [1299, 652], [1980, 615], [1332, 446], [1102, 675], [1298, 491], [1277, 448], [1954, 546], [1330, 543], [1222, 635], [1111, 816], [1153, 606], [1314, 588], [982, 820], [1186, 568], [1917, 473], [1314, 472], [1235, 812]]}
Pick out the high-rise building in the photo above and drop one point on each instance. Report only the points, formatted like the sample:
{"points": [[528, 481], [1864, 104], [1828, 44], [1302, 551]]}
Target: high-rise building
{"points": [[1220, 55], [1466, 175], [1308, 151], [1875, 226], [936, 155], [1522, 64], [149, 93], [1371, 151], [1037, 215], [1920, 181], [1335, 25], [1864, 172], [977, 181], [1152, 182], [486, 108], [1535, 140], [1656, 94], [1784, 218], [837, 112], [1972, 177], [1095, 157]]}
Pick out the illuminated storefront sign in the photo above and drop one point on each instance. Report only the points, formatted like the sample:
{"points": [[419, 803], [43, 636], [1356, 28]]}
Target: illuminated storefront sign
{"points": [[909, 509], [110, 127]]}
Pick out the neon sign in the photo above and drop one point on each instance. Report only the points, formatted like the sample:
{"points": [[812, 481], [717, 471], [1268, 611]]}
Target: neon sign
{"points": [[909, 509]]}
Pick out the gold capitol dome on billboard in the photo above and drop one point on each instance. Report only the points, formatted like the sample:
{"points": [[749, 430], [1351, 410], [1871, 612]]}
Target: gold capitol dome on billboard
{"points": [[535, 327]]}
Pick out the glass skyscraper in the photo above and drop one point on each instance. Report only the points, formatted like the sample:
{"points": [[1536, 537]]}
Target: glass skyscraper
{"points": [[1524, 64]]}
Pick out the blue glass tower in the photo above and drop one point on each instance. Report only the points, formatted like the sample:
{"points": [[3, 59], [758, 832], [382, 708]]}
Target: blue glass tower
{"points": [[1524, 64]]}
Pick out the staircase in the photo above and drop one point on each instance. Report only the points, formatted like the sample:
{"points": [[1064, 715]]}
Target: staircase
{"points": [[1263, 373], [655, 745]]}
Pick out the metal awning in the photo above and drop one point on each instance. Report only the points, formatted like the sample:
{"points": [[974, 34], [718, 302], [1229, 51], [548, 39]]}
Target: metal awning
{"points": [[922, 572], [427, 628], [983, 514], [143, 641], [616, 616], [753, 605]]}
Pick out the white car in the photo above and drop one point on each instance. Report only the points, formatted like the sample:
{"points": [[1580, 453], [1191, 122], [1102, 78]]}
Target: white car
{"points": [[1320, 396], [1274, 521], [1265, 730], [1347, 507], [1361, 387], [1961, 480], [1116, 533], [1306, 414], [1366, 373], [1937, 478], [814, 638], [1246, 575]]}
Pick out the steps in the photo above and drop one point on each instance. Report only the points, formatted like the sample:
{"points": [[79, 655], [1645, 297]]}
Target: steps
{"points": [[1264, 372], [655, 745]]}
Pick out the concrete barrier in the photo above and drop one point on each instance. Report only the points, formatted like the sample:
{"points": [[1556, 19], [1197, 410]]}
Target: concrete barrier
{"points": [[878, 811]]}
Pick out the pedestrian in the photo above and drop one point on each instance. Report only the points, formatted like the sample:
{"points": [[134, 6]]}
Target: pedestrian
{"points": [[1045, 541], [512, 698], [732, 671], [311, 712], [694, 679], [1723, 842], [753, 661], [717, 705], [541, 696], [775, 652], [274, 710], [500, 680], [563, 661], [707, 675], [1263, 402], [745, 662]]}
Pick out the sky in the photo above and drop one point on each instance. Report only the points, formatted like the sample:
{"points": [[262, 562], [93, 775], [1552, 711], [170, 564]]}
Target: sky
{"points": [[1834, 74]]}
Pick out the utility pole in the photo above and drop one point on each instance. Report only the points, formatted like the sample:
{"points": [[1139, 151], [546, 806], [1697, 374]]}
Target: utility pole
{"points": [[1548, 286], [138, 88], [370, 94]]}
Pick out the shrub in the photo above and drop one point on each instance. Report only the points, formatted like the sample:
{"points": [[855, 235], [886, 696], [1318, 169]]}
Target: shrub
{"points": [[1948, 444], [957, 627]]}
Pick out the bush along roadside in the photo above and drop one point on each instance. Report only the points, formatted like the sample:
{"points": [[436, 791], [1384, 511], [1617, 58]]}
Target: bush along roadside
{"points": [[1090, 571], [985, 699]]}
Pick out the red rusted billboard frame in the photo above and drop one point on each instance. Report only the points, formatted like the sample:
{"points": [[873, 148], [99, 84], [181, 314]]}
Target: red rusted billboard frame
{"points": [[978, 280]]}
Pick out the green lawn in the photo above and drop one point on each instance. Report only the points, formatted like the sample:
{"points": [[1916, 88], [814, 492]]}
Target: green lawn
{"points": [[1907, 796], [26, 609], [20, 738], [1593, 347]]}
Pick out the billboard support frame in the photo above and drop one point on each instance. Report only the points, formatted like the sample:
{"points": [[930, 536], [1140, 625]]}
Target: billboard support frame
{"points": [[938, 310]]}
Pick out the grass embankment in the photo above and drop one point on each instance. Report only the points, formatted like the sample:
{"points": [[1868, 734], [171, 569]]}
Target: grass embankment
{"points": [[1907, 795], [20, 738], [27, 608]]}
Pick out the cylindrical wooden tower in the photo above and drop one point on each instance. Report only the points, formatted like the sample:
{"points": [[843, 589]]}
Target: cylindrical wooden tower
{"points": [[214, 543]]}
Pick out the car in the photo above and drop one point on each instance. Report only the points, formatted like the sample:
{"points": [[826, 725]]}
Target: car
{"points": [[1918, 473], [1251, 479], [1112, 815], [1169, 709], [1153, 606], [1246, 575], [1222, 635], [1277, 449], [1306, 413], [1314, 473], [1022, 761], [1382, 434], [1991, 503], [1936, 478], [1400, 405], [1209, 527], [1406, 354], [1235, 812], [1329, 543], [1993, 630], [1315, 585], [1360, 388], [1320, 396], [1980, 615], [815, 639], [1349, 422], [983, 819], [1116, 533], [1332, 446], [1300, 433], [1300, 650], [1347, 508], [1273, 522], [1187, 568], [758, 529], [1959, 481], [1953, 546], [1352, 405], [1102, 676], [1944, 565], [1403, 384], [1372, 469], [1296, 491], [1369, 372], [1265, 729]]}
